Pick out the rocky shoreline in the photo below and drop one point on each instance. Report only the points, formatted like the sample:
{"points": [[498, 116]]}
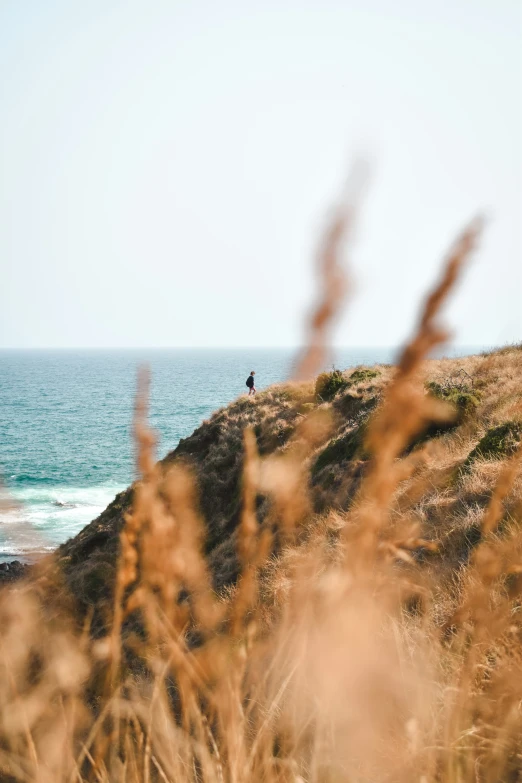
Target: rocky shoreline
{"points": [[12, 571]]}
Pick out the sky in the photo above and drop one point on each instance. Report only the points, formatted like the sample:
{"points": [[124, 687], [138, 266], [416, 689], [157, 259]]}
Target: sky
{"points": [[166, 167]]}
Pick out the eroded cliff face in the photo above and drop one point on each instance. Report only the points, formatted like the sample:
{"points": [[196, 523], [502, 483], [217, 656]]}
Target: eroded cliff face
{"points": [[456, 471]]}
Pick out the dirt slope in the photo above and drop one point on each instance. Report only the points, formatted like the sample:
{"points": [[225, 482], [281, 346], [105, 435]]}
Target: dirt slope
{"points": [[458, 463]]}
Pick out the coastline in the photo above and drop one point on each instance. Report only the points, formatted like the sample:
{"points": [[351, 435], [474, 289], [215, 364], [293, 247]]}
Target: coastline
{"points": [[13, 570], [26, 558]]}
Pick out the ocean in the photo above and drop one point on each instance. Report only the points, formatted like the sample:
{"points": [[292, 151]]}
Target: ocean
{"points": [[66, 425]]}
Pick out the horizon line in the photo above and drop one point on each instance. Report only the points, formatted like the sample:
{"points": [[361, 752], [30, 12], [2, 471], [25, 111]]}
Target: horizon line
{"points": [[389, 346]]}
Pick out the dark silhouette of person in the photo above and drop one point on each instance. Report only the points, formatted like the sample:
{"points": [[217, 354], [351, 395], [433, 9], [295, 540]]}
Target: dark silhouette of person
{"points": [[250, 384]]}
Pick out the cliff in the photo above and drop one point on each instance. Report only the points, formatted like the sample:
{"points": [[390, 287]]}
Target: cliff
{"points": [[327, 577], [447, 491]]}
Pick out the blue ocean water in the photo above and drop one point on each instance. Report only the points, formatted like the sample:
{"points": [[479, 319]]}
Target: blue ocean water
{"points": [[66, 425]]}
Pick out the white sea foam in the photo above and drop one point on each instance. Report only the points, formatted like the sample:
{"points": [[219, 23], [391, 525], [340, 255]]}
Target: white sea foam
{"points": [[38, 519]]}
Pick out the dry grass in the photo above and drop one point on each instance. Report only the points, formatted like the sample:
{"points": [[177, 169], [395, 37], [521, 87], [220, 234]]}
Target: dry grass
{"points": [[366, 627]]}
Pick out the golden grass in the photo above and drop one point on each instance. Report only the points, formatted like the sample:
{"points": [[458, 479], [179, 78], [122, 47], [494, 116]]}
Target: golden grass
{"points": [[378, 639]]}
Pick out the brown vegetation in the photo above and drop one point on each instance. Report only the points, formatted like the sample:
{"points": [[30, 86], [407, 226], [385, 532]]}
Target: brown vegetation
{"points": [[320, 585]]}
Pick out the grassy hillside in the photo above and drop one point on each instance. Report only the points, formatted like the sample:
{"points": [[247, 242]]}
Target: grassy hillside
{"points": [[319, 584], [457, 462]]}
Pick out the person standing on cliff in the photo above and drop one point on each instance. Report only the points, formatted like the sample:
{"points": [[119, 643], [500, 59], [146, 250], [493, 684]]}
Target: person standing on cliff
{"points": [[250, 384]]}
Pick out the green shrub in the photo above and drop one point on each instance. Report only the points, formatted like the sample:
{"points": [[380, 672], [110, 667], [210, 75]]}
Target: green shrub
{"points": [[361, 375], [464, 399], [329, 383], [464, 402], [497, 443]]}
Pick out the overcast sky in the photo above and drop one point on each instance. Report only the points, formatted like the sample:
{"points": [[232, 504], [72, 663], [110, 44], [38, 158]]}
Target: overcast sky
{"points": [[166, 167]]}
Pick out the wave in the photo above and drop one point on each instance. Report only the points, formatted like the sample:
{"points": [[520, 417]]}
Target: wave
{"points": [[38, 519]]}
